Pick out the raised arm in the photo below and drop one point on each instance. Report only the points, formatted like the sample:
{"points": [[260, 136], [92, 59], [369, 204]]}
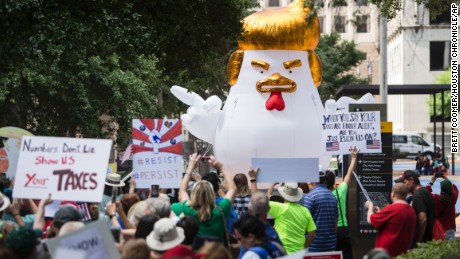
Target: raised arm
{"points": [[253, 179], [39, 221], [192, 161], [353, 155], [227, 177]]}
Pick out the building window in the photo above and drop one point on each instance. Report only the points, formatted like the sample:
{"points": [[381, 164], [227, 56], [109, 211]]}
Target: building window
{"points": [[361, 2], [321, 24], [362, 23], [442, 18], [339, 24], [338, 3], [439, 55], [319, 3], [274, 3]]}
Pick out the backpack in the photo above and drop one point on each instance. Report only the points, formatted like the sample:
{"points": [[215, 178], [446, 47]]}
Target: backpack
{"points": [[267, 250]]}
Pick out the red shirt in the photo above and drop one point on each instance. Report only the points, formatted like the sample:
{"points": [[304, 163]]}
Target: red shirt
{"points": [[445, 214], [396, 228]]}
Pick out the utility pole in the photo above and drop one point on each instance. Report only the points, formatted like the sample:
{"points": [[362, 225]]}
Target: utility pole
{"points": [[383, 90]]}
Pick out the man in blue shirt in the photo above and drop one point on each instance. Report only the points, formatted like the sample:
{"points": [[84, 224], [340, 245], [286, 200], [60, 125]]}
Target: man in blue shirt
{"points": [[323, 208]]}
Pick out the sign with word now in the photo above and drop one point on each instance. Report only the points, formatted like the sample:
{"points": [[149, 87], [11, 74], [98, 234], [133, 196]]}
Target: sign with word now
{"points": [[68, 168], [157, 152], [94, 241], [345, 129]]}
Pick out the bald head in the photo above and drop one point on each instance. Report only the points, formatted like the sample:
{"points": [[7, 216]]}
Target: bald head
{"points": [[400, 191]]}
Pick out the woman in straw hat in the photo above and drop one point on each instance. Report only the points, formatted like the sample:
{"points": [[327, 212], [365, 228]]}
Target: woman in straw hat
{"points": [[201, 203]]}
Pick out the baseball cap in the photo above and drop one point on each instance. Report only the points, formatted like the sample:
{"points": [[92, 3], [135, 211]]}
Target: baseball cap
{"points": [[406, 175], [65, 214]]}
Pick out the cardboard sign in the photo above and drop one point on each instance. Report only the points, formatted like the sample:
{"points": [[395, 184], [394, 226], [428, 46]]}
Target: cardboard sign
{"points": [[157, 152], [68, 168], [343, 130], [272, 170], [94, 240]]}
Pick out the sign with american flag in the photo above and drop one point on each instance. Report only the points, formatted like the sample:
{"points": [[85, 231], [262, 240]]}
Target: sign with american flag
{"points": [[373, 144], [332, 146], [157, 152], [342, 130]]}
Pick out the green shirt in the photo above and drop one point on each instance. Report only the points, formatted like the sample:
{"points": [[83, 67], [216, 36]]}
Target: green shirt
{"points": [[215, 226], [342, 189], [292, 221]]}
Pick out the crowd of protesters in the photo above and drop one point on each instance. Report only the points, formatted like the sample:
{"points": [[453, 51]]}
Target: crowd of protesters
{"points": [[230, 217]]}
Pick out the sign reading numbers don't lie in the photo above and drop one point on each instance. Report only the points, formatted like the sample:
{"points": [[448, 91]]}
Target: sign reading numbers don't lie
{"points": [[68, 168]]}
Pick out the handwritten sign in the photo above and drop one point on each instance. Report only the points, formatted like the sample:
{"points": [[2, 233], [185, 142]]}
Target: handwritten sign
{"points": [[68, 168], [342, 130], [94, 240], [157, 152], [271, 170]]}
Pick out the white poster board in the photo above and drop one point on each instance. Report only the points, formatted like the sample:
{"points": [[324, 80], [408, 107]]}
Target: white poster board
{"points": [[68, 168], [157, 152], [272, 170], [342, 130], [95, 240]]}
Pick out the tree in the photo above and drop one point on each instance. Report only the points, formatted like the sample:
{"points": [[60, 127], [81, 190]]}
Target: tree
{"points": [[338, 58], [63, 64], [443, 78], [389, 8]]}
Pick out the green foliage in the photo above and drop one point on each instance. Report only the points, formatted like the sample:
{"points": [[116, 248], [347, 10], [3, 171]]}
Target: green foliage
{"points": [[434, 250], [63, 64], [443, 78], [389, 8], [338, 58]]}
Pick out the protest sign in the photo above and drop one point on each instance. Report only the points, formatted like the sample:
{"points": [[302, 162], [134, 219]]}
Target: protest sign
{"points": [[95, 240], [342, 130], [68, 168], [272, 170], [157, 152]]}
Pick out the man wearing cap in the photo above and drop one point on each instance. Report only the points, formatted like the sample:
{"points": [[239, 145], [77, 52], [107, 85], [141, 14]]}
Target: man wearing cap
{"points": [[66, 213], [292, 220], [322, 205], [395, 223], [423, 204]]}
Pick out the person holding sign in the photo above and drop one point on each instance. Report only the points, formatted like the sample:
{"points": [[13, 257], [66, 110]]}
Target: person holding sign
{"points": [[200, 204], [344, 240], [395, 223]]}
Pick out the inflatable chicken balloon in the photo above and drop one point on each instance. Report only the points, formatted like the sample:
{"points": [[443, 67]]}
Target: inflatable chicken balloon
{"points": [[273, 109]]}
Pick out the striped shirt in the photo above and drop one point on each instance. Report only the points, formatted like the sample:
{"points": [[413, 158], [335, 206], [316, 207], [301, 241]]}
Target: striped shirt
{"points": [[323, 208]]}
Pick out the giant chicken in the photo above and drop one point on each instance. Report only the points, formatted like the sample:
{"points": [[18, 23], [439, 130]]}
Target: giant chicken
{"points": [[273, 109]]}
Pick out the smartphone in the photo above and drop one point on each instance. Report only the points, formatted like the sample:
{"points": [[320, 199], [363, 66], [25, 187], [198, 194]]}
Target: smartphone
{"points": [[154, 190], [204, 159], [116, 234], [114, 194]]}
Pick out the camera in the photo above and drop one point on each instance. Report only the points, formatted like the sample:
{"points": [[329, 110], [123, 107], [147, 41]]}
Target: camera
{"points": [[204, 159], [439, 174]]}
